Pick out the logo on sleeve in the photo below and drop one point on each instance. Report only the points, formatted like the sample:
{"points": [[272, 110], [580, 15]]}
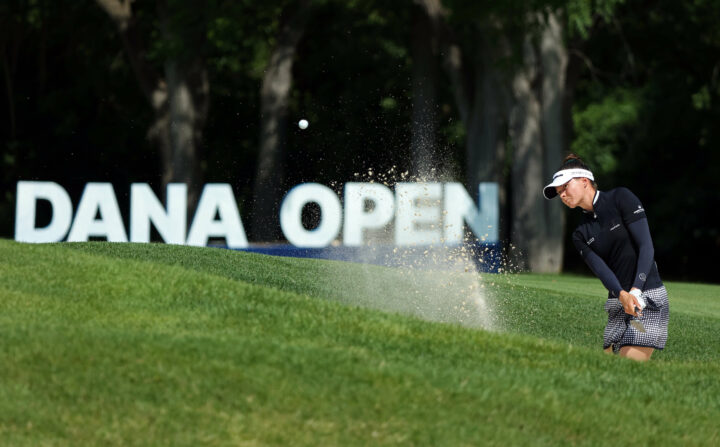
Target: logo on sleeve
{"points": [[642, 277], [639, 210], [615, 227], [592, 239]]}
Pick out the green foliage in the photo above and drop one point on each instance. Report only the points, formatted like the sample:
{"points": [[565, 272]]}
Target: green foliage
{"points": [[602, 128], [702, 99], [127, 344], [582, 14], [659, 51], [179, 30], [240, 36]]}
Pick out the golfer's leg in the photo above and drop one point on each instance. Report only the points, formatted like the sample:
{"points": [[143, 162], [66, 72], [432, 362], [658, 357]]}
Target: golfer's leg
{"points": [[609, 349], [640, 353]]}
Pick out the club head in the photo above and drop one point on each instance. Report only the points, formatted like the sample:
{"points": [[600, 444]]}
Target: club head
{"points": [[638, 325]]}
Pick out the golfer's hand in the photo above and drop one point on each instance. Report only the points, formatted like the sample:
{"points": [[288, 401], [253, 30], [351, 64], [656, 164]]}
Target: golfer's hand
{"points": [[629, 303]]}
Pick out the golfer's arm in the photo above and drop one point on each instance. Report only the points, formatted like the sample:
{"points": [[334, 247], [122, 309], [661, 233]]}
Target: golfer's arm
{"points": [[640, 232], [603, 272]]}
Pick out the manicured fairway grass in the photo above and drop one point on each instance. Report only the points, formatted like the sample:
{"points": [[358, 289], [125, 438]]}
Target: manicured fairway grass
{"points": [[122, 344]]}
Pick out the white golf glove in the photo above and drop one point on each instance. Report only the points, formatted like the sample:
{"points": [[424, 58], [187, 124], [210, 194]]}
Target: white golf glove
{"points": [[638, 294]]}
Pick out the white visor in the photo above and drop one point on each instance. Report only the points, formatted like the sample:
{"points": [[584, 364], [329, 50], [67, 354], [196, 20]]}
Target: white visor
{"points": [[562, 177]]}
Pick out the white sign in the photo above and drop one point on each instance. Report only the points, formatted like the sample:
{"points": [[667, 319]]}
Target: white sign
{"points": [[424, 214]]}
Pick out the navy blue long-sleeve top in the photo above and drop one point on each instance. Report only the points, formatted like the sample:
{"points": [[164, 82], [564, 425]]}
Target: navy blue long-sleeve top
{"points": [[614, 240]]}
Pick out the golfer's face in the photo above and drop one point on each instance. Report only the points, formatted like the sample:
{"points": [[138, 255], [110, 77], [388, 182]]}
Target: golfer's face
{"points": [[571, 192]]}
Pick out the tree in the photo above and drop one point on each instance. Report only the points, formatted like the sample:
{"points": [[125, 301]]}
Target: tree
{"points": [[274, 97], [481, 97], [178, 93], [514, 80], [537, 136]]}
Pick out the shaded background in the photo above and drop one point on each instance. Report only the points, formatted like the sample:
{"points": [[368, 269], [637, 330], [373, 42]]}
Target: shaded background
{"points": [[93, 91]]}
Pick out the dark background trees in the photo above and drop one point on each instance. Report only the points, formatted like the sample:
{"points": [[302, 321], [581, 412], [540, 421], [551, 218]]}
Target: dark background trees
{"points": [[478, 92]]}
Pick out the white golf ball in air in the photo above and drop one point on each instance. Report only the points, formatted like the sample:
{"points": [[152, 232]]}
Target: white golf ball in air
{"points": [[303, 124]]}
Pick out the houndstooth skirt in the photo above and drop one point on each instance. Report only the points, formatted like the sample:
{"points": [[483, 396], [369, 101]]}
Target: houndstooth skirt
{"points": [[619, 332]]}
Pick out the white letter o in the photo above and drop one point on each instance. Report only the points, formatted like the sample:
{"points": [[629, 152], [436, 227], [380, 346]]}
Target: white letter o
{"points": [[330, 212]]}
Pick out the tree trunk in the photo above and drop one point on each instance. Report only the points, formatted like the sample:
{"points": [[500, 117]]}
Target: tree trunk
{"points": [[481, 96], [554, 63], [487, 128], [527, 168], [424, 116], [274, 94], [539, 125], [487, 123], [451, 54], [188, 93], [538, 139], [179, 99]]}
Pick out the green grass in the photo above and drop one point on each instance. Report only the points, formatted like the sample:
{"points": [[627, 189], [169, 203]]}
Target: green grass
{"points": [[124, 344]]}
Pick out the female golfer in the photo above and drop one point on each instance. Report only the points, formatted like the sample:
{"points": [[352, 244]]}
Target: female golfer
{"points": [[614, 240]]}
